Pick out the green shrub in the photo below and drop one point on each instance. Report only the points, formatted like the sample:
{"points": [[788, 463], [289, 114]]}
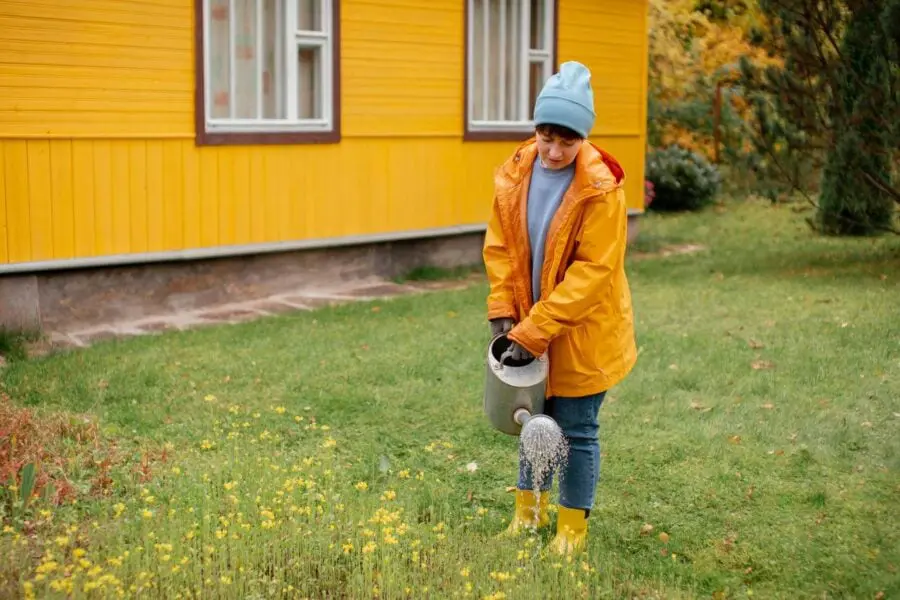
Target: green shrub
{"points": [[682, 180]]}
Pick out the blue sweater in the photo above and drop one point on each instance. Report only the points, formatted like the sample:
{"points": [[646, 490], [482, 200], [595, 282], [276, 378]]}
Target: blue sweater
{"points": [[544, 197]]}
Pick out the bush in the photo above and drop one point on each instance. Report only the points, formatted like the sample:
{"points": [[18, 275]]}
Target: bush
{"points": [[682, 180]]}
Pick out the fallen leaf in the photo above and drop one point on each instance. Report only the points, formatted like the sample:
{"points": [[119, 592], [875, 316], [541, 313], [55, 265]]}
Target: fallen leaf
{"points": [[511, 488], [376, 309], [768, 406], [664, 537], [472, 467], [750, 492], [735, 439], [673, 366], [879, 596], [103, 384], [756, 345], [760, 365], [867, 424], [646, 529]]}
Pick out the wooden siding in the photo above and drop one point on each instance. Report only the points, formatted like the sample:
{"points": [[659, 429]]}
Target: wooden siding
{"points": [[96, 129]]}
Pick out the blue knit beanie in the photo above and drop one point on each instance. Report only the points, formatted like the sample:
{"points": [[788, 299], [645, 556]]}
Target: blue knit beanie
{"points": [[567, 99]]}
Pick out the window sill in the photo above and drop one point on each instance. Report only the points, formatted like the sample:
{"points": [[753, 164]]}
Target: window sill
{"points": [[255, 138]]}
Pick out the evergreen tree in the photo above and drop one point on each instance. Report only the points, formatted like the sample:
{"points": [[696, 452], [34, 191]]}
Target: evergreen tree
{"points": [[830, 113]]}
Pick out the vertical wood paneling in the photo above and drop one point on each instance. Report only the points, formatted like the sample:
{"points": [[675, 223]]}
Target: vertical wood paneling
{"points": [[173, 205], [83, 197], [62, 200], [225, 181], [138, 193], [18, 201], [121, 206], [155, 209], [4, 231], [209, 198], [256, 199], [40, 198], [103, 190], [191, 194]]}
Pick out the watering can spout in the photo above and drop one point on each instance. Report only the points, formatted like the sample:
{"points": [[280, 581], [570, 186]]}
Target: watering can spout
{"points": [[521, 416]]}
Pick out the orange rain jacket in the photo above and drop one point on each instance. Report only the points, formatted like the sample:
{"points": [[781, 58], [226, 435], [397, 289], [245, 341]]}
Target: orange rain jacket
{"points": [[584, 318]]}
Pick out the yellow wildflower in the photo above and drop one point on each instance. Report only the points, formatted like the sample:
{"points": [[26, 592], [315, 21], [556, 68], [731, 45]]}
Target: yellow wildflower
{"points": [[147, 514], [348, 548], [464, 572], [280, 410], [209, 398], [229, 485], [78, 552], [362, 486], [207, 445], [329, 443], [62, 541], [404, 474], [370, 547], [389, 495]]}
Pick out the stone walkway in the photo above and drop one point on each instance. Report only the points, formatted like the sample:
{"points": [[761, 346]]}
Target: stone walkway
{"points": [[357, 291]]}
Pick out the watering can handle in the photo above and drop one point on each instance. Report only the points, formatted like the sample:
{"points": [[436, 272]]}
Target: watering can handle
{"points": [[506, 354]]}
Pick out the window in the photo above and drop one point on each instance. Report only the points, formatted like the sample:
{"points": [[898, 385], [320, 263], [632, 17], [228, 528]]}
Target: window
{"points": [[268, 71], [510, 53]]}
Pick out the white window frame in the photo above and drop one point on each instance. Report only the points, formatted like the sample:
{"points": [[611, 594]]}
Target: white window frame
{"points": [[521, 64], [293, 40]]}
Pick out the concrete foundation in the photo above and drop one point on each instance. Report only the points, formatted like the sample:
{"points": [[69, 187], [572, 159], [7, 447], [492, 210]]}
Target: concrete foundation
{"points": [[81, 299]]}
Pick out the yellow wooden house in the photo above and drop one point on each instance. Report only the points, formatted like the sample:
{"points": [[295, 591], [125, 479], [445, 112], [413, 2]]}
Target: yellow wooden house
{"points": [[140, 131]]}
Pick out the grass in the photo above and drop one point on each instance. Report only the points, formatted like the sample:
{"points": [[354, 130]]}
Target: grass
{"points": [[329, 454]]}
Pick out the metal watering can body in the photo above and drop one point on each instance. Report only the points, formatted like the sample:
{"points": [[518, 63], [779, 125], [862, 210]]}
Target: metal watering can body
{"points": [[510, 387]]}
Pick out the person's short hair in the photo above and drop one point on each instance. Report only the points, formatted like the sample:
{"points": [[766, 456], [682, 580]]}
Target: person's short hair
{"points": [[550, 130]]}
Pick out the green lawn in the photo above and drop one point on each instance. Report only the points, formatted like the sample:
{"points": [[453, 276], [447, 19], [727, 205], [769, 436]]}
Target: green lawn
{"points": [[759, 432]]}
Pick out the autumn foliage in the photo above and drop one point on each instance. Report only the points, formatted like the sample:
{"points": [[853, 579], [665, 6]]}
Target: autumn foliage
{"points": [[695, 48]]}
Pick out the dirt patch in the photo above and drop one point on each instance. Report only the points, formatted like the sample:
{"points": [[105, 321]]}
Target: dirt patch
{"points": [[668, 251]]}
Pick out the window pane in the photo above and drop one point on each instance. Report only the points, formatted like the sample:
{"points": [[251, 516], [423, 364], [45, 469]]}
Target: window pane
{"points": [[246, 75], [536, 79], [514, 60], [219, 59], [538, 35], [309, 15], [273, 74], [309, 83]]}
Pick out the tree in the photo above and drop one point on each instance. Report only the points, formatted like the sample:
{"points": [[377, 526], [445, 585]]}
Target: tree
{"points": [[830, 115]]}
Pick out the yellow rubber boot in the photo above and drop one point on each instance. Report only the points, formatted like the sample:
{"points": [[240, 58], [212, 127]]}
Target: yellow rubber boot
{"points": [[571, 531], [525, 516]]}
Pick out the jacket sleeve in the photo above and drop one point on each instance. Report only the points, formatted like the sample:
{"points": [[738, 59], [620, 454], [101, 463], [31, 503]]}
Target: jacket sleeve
{"points": [[498, 264], [600, 251]]}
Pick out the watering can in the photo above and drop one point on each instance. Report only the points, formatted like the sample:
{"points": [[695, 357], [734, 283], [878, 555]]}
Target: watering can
{"points": [[513, 390]]}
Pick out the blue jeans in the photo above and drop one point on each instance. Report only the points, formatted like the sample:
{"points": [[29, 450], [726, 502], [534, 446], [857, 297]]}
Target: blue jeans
{"points": [[578, 419]]}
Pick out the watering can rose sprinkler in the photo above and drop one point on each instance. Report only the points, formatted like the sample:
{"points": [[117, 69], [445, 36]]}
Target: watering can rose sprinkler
{"points": [[514, 390]]}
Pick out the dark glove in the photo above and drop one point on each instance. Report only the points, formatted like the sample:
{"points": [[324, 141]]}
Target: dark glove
{"points": [[516, 354], [503, 325]]}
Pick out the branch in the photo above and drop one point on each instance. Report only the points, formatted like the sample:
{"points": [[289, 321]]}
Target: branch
{"points": [[890, 191]]}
